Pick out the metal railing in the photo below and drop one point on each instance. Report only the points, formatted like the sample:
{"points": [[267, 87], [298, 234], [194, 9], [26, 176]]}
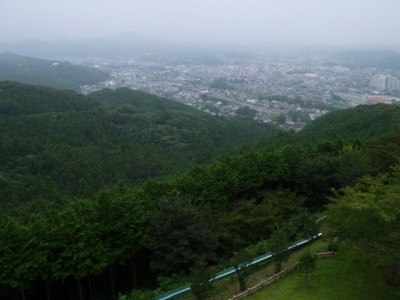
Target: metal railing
{"points": [[185, 289]]}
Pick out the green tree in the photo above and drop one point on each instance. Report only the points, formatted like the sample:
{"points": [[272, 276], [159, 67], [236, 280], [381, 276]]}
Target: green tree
{"points": [[281, 119], [180, 235], [200, 282], [123, 216], [245, 222], [243, 270], [277, 244], [76, 248], [246, 112], [17, 267], [306, 265], [303, 224], [365, 218]]}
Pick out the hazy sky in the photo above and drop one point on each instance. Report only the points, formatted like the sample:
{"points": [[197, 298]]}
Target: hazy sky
{"points": [[329, 22]]}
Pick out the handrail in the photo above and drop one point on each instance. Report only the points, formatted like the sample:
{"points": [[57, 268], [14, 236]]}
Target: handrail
{"points": [[185, 289]]}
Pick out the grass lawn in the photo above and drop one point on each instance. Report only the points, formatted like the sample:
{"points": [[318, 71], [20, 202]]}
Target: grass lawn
{"points": [[228, 287], [333, 279]]}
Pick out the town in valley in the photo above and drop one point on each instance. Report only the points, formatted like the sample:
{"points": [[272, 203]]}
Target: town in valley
{"points": [[285, 90]]}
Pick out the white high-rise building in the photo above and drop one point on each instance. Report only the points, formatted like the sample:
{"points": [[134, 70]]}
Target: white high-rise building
{"points": [[384, 82], [378, 81], [392, 84]]}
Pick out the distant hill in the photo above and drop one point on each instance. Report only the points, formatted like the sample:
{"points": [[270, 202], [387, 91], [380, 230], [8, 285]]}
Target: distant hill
{"points": [[63, 143], [381, 59], [361, 122], [62, 75]]}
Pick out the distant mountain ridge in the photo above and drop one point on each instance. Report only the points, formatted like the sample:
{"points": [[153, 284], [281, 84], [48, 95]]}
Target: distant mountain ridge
{"points": [[8, 56], [96, 47], [57, 74], [381, 59]]}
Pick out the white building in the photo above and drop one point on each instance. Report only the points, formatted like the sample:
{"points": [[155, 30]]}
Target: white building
{"points": [[392, 84], [384, 82], [378, 81]]}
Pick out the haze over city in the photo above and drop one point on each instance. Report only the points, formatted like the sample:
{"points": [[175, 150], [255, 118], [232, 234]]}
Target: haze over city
{"points": [[233, 22]]}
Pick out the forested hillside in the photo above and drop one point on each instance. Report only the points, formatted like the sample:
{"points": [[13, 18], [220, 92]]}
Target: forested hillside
{"points": [[86, 213], [53, 73], [59, 144], [361, 122]]}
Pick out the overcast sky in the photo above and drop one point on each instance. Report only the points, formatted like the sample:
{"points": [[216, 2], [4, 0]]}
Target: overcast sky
{"points": [[329, 22]]}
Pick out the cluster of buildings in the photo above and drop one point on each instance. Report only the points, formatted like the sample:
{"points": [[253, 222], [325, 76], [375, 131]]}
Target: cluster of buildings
{"points": [[384, 83], [308, 87]]}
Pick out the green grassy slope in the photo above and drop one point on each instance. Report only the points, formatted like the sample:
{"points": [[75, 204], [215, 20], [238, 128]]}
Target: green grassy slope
{"points": [[333, 279]]}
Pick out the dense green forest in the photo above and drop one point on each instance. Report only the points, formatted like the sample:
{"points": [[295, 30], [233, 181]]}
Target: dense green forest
{"points": [[60, 144], [361, 122], [122, 190], [62, 75]]}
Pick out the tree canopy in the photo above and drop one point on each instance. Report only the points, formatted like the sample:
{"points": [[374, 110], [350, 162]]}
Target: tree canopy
{"points": [[96, 189]]}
